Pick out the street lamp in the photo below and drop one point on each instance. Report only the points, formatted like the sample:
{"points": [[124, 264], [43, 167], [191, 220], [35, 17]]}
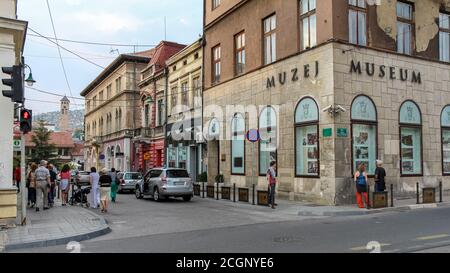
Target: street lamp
{"points": [[30, 81]]}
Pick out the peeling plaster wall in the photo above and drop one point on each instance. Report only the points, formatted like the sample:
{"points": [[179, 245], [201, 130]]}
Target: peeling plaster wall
{"points": [[387, 17], [426, 13]]}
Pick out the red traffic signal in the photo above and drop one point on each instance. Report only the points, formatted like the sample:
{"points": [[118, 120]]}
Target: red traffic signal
{"points": [[26, 121]]}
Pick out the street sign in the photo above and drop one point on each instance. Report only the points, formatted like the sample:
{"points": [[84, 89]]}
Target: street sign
{"points": [[17, 144], [342, 132], [101, 157], [253, 135], [327, 132]]}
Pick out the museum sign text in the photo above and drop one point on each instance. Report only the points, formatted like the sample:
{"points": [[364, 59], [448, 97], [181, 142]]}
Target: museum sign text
{"points": [[383, 71], [306, 71]]}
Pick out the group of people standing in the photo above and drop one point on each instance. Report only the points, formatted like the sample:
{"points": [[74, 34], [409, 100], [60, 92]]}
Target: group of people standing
{"points": [[104, 186], [41, 185], [361, 180]]}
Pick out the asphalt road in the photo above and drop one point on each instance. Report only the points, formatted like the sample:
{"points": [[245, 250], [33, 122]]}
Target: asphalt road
{"points": [[210, 226]]}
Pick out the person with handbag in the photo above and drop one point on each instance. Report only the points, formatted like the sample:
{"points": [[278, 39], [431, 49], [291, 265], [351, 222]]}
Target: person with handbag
{"points": [[271, 178], [65, 185]]}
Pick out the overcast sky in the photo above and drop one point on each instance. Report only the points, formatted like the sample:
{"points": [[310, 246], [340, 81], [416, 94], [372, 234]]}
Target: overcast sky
{"points": [[106, 21]]}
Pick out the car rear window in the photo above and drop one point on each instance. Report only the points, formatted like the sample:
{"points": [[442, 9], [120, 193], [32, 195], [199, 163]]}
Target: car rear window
{"points": [[177, 174], [133, 176]]}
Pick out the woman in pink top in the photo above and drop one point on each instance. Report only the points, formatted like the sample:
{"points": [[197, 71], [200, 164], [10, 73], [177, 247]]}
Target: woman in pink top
{"points": [[65, 185]]}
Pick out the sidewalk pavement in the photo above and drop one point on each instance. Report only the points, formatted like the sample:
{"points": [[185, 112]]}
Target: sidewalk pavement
{"points": [[306, 209], [56, 226]]}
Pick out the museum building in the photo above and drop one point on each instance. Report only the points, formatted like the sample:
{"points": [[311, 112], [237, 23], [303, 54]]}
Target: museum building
{"points": [[335, 84]]}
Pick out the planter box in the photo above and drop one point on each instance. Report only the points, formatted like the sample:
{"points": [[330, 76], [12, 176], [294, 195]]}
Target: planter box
{"points": [[210, 191], [197, 190], [226, 193], [243, 194], [429, 195], [263, 198], [380, 200]]}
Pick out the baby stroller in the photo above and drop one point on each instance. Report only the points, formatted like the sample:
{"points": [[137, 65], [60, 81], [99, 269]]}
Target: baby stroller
{"points": [[79, 197]]}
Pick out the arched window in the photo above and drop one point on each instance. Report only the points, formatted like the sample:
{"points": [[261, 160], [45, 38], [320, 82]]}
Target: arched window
{"points": [[410, 139], [307, 138], [268, 143], [445, 131], [238, 145], [364, 134]]}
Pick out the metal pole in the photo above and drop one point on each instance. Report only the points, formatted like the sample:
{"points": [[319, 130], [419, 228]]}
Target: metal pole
{"points": [[368, 196], [217, 190], [392, 195], [203, 191], [23, 180], [253, 197], [417, 192], [234, 192], [440, 191]]}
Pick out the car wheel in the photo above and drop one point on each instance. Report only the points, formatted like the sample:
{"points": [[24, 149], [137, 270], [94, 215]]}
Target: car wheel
{"points": [[138, 193], [156, 196], [187, 198]]}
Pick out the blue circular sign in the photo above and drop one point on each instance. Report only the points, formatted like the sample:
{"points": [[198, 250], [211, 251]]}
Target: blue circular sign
{"points": [[253, 135]]}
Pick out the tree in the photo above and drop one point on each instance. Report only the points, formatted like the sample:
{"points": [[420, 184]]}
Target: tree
{"points": [[43, 150]]}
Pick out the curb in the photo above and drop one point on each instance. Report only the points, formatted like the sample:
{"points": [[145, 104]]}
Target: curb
{"points": [[62, 241], [373, 211]]}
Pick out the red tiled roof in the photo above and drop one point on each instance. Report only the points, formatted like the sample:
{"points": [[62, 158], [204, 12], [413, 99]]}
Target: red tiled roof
{"points": [[78, 149], [163, 52], [59, 139], [147, 53]]}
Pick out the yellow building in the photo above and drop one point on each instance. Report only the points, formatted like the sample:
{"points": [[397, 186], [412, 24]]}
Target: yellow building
{"points": [[184, 110], [12, 40], [112, 112]]}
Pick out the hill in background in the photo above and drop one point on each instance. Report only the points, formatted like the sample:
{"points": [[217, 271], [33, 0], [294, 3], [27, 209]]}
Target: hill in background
{"points": [[76, 119]]}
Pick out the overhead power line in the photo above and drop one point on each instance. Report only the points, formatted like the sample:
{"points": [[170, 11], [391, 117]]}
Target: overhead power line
{"points": [[59, 50], [91, 43]]}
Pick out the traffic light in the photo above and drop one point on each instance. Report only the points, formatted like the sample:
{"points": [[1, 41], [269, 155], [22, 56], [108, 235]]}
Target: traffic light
{"points": [[26, 120], [15, 82]]}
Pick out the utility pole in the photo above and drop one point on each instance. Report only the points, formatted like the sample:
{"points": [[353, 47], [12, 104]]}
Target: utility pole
{"points": [[23, 219]]}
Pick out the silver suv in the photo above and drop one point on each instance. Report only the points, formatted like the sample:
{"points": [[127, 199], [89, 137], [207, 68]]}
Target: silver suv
{"points": [[128, 180], [161, 183]]}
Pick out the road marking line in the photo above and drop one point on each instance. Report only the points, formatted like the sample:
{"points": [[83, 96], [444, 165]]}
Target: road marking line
{"points": [[361, 248], [432, 237]]}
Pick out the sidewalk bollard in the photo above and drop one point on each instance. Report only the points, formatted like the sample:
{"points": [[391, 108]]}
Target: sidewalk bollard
{"points": [[392, 195], [440, 191], [217, 191], [417, 192], [203, 190], [234, 192], [368, 197], [253, 194]]}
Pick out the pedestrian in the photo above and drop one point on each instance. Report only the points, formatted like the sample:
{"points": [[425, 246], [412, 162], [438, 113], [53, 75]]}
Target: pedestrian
{"points": [[31, 180], [361, 186], [52, 189], [42, 180], [114, 185], [271, 178], [105, 189], [17, 177], [94, 180], [380, 174], [64, 184]]}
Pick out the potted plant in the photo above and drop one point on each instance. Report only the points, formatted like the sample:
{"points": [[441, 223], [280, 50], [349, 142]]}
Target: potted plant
{"points": [[203, 177], [219, 178]]}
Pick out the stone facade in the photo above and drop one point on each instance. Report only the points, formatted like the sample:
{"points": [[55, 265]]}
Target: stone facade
{"points": [[335, 84]]}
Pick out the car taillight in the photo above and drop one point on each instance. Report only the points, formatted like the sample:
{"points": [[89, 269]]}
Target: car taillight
{"points": [[164, 180]]}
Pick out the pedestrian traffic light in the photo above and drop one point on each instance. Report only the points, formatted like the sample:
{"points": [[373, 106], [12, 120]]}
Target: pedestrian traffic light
{"points": [[15, 82], [26, 120]]}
